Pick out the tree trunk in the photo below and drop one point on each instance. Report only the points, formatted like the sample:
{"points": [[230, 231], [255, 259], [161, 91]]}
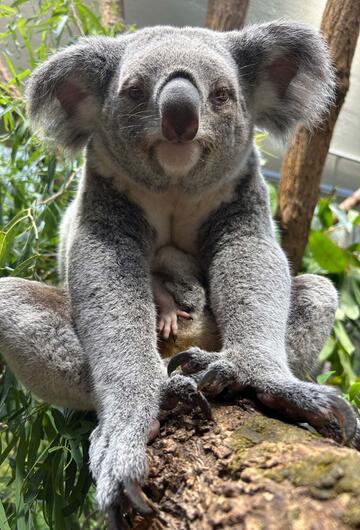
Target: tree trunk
{"points": [[111, 12], [226, 15], [247, 471], [303, 165]]}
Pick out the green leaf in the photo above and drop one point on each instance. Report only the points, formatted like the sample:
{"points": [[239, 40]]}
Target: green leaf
{"points": [[4, 525], [354, 390], [345, 361], [344, 338], [6, 11], [323, 378], [328, 255], [20, 473], [327, 350], [348, 303]]}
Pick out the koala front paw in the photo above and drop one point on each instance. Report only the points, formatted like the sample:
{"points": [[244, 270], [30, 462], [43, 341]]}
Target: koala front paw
{"points": [[119, 469], [212, 371], [180, 388], [302, 402]]}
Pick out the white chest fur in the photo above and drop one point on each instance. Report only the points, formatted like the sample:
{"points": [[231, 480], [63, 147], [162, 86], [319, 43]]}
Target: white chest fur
{"points": [[176, 215]]}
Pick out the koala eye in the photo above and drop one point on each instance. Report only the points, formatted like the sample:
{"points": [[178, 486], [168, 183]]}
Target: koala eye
{"points": [[136, 93], [220, 96]]}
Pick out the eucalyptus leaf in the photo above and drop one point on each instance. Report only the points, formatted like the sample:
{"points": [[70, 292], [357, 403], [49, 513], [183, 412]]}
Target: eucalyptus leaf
{"points": [[328, 255]]}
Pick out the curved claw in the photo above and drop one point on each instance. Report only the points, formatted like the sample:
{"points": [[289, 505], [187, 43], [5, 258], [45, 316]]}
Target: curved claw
{"points": [[344, 429], [355, 442], [336, 419], [138, 498], [201, 401], [207, 379], [115, 518], [178, 359]]}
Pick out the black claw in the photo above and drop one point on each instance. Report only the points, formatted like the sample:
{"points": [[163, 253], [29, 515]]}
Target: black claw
{"points": [[138, 498], [355, 442], [208, 379], [115, 519], [178, 359], [203, 404], [346, 419]]}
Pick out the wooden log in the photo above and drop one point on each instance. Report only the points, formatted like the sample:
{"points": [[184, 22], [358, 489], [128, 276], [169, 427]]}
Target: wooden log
{"points": [[249, 471]]}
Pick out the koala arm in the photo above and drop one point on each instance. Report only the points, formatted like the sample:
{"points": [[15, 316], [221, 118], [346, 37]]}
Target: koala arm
{"points": [[249, 281], [250, 289], [114, 317]]}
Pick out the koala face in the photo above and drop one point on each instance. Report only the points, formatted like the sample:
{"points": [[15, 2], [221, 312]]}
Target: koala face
{"points": [[167, 105], [175, 110]]}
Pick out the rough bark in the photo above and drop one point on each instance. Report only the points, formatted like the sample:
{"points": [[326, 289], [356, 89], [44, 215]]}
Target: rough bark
{"points": [[247, 471], [302, 167], [111, 12], [226, 15]]}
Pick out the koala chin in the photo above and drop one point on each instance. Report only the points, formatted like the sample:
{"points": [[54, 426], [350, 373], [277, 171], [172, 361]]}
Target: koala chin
{"points": [[178, 159], [169, 244]]}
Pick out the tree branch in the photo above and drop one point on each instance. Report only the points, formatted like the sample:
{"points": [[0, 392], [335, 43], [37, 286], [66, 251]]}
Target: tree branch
{"points": [[303, 165], [111, 12], [351, 202], [227, 14]]}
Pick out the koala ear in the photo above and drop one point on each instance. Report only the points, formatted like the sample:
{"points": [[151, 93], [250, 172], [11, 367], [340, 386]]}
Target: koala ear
{"points": [[65, 94], [286, 73]]}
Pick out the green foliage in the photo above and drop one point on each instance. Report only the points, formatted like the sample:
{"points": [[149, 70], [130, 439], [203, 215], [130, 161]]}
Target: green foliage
{"points": [[44, 479], [331, 251]]}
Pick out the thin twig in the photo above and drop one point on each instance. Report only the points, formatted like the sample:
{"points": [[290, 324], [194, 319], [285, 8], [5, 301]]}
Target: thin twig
{"points": [[65, 187], [351, 202], [77, 19]]}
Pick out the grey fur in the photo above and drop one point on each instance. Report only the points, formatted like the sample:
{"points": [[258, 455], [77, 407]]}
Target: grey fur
{"points": [[136, 198]]}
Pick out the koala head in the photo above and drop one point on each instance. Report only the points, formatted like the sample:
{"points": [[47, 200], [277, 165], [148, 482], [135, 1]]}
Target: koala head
{"points": [[167, 104]]}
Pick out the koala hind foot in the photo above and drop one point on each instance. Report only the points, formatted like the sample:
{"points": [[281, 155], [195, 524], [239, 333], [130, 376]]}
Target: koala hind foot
{"points": [[168, 310]]}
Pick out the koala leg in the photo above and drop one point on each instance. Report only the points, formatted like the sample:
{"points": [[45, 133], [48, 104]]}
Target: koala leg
{"points": [[314, 302], [39, 344], [312, 314]]}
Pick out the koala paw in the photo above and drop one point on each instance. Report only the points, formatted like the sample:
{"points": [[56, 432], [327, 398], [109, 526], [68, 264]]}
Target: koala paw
{"points": [[320, 406], [168, 321], [119, 469], [180, 388]]}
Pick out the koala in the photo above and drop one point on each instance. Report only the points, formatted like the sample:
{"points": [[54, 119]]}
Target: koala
{"points": [[172, 216]]}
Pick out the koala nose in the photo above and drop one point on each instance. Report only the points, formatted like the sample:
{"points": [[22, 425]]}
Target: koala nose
{"points": [[179, 110]]}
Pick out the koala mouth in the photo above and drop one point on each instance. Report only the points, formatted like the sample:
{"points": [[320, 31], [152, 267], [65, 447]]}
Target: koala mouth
{"points": [[178, 158]]}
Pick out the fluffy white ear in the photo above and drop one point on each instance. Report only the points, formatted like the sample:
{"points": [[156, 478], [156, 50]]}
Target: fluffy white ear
{"points": [[65, 94], [286, 73]]}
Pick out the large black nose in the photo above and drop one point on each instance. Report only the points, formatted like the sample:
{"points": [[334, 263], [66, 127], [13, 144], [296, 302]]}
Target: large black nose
{"points": [[179, 110]]}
